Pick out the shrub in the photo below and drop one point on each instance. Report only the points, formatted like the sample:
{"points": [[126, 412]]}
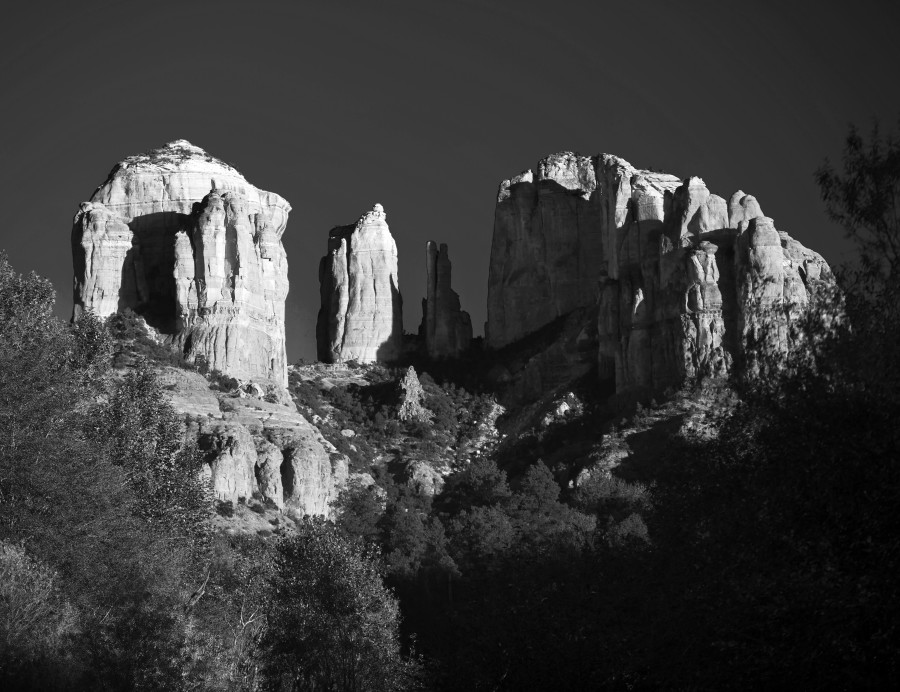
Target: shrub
{"points": [[604, 494], [35, 620], [219, 380]]}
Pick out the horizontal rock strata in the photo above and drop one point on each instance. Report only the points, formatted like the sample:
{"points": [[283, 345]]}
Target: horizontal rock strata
{"points": [[185, 241], [255, 446]]}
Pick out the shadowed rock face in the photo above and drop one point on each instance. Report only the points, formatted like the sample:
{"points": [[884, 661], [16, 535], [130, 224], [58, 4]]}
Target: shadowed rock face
{"points": [[446, 329], [184, 240], [361, 316], [682, 283]]}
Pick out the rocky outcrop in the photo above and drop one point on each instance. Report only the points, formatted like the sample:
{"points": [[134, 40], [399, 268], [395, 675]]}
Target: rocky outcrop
{"points": [[185, 241], [546, 249], [361, 315], [446, 328], [682, 283], [412, 407], [256, 446]]}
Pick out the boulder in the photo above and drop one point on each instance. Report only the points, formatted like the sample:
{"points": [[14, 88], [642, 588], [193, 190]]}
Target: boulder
{"points": [[361, 314], [185, 241], [446, 328]]}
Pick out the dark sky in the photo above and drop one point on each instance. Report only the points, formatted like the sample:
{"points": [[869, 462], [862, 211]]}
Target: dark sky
{"points": [[426, 107]]}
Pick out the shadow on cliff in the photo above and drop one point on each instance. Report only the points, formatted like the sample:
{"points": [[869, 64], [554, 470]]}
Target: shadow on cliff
{"points": [[392, 349], [148, 276]]}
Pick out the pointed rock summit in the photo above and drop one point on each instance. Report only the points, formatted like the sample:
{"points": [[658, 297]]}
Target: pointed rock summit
{"points": [[361, 316], [184, 240], [446, 328]]}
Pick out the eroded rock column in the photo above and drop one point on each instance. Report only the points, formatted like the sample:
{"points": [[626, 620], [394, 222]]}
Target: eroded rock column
{"points": [[185, 241], [361, 315], [447, 329]]}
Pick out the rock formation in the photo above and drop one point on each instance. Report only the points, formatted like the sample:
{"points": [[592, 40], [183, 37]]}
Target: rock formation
{"points": [[681, 283], [185, 241], [446, 329], [412, 406], [256, 446], [361, 315], [546, 250]]}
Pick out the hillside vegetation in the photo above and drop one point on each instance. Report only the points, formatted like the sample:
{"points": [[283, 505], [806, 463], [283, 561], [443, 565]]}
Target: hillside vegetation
{"points": [[736, 535]]}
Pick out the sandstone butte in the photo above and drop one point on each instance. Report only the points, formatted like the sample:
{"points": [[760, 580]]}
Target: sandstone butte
{"points": [[650, 276], [446, 329], [184, 240], [361, 314]]}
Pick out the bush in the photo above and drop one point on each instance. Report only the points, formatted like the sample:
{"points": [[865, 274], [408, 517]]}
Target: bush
{"points": [[222, 382], [134, 340], [35, 620], [606, 495]]}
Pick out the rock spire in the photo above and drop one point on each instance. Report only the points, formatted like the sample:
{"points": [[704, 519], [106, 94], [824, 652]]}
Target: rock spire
{"points": [[446, 329], [361, 316], [183, 239]]}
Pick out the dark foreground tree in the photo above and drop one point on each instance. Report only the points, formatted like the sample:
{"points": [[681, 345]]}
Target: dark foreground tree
{"points": [[116, 525], [779, 541], [864, 198], [332, 625]]}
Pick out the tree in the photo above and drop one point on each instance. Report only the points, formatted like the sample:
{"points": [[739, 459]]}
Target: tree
{"points": [[98, 509], [865, 199], [141, 432], [332, 624]]}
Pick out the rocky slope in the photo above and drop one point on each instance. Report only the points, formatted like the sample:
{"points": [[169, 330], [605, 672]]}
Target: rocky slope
{"points": [[446, 328], [361, 316], [677, 282], [184, 240], [258, 447]]}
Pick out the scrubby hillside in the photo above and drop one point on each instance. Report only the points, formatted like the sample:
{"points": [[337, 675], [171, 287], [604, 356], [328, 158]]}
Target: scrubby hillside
{"points": [[117, 573]]}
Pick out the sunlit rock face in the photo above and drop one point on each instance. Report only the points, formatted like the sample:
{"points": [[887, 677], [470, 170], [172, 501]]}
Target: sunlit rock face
{"points": [[251, 445], [204, 263], [446, 328], [682, 283], [546, 249], [361, 315]]}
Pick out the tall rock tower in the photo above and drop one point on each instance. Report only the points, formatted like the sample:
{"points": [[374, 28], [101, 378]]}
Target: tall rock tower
{"points": [[361, 317], [649, 276], [184, 240], [446, 328]]}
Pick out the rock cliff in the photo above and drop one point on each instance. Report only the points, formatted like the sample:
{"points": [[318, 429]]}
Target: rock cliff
{"points": [[446, 328], [256, 446], [681, 282], [361, 315], [185, 241]]}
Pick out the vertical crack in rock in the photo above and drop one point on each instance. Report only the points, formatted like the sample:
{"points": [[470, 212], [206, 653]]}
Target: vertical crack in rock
{"points": [[680, 282], [360, 317], [446, 329], [174, 234]]}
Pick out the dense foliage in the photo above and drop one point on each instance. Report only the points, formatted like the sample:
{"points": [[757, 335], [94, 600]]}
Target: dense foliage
{"points": [[110, 574], [758, 550], [332, 625]]}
